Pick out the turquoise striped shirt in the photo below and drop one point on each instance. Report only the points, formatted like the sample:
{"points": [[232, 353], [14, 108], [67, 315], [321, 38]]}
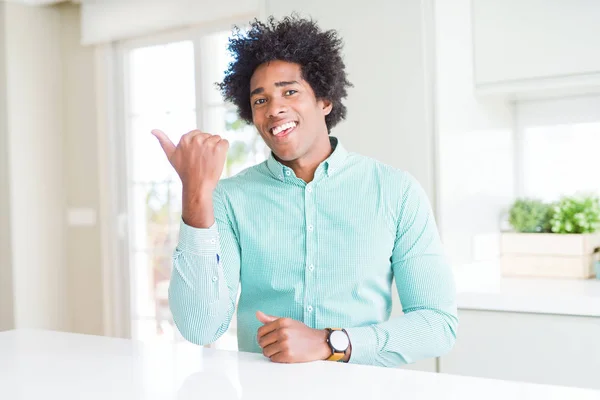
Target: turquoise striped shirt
{"points": [[323, 253]]}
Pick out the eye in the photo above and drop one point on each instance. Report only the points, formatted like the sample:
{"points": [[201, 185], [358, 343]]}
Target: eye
{"points": [[290, 92], [259, 101]]}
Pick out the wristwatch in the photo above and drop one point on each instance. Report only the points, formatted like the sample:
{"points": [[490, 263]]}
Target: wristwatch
{"points": [[338, 342]]}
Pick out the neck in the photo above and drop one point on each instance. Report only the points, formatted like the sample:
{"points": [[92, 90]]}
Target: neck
{"points": [[305, 167]]}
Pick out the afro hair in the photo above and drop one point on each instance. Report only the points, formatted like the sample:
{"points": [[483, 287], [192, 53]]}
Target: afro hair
{"points": [[292, 39]]}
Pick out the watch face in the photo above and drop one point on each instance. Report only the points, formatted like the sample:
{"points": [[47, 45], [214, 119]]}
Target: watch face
{"points": [[339, 341]]}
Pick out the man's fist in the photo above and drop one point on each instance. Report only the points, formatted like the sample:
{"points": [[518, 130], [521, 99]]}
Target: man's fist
{"points": [[199, 158], [285, 340]]}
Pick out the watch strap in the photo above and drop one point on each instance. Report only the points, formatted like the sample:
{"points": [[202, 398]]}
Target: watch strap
{"points": [[336, 357]]}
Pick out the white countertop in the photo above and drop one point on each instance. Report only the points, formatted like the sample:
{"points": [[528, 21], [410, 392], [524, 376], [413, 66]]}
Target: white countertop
{"points": [[480, 287], [52, 365]]}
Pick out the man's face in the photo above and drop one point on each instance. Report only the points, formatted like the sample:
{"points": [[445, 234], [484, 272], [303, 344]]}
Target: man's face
{"points": [[285, 111]]}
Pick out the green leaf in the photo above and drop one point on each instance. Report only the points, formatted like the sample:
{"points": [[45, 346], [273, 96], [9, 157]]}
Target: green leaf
{"points": [[530, 215], [576, 214]]}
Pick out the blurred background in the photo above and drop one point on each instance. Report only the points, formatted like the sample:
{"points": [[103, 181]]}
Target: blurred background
{"points": [[494, 106]]}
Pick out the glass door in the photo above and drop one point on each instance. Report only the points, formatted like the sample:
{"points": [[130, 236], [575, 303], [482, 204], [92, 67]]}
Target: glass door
{"points": [[160, 94]]}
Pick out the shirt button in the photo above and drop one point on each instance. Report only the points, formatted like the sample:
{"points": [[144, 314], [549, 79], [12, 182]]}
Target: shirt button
{"points": [[311, 267], [214, 279], [288, 173], [309, 189], [310, 228], [309, 308], [280, 176]]}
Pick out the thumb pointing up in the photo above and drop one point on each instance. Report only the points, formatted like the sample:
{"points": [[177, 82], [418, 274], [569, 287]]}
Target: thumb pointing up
{"points": [[264, 318]]}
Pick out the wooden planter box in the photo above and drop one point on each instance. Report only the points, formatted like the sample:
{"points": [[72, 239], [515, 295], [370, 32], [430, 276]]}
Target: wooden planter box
{"points": [[549, 255]]}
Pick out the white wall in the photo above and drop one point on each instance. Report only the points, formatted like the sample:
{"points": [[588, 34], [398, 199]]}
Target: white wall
{"points": [[85, 286], [6, 290], [475, 139], [50, 273], [389, 107], [35, 164]]}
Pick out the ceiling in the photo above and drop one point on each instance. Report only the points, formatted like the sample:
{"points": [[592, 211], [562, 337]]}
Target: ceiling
{"points": [[41, 2]]}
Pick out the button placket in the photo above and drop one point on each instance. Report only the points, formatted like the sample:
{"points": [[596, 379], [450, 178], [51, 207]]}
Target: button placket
{"points": [[310, 257]]}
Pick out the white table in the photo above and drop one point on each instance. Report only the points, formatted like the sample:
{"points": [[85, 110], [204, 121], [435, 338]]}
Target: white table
{"points": [[51, 365]]}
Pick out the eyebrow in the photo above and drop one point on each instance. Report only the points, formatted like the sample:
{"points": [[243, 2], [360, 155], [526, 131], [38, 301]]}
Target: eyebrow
{"points": [[277, 84]]}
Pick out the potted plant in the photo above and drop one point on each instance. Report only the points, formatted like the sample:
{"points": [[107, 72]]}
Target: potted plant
{"points": [[552, 240]]}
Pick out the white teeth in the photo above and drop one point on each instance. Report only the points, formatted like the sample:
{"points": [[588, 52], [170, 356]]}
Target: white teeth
{"points": [[283, 127]]}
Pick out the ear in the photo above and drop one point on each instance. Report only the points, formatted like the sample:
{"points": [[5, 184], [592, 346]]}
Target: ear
{"points": [[326, 106]]}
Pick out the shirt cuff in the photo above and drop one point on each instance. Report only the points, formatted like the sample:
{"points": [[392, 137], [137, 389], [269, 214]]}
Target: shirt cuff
{"points": [[199, 241], [364, 345]]}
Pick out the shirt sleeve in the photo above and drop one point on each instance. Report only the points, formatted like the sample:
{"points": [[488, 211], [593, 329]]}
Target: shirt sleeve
{"points": [[426, 288], [205, 278]]}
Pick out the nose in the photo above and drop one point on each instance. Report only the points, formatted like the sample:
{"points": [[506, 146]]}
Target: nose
{"points": [[275, 108]]}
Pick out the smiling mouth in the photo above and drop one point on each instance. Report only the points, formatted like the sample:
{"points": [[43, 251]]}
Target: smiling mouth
{"points": [[284, 129]]}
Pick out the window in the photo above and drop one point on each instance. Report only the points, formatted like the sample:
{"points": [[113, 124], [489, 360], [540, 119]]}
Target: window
{"points": [[559, 145], [561, 160], [170, 85]]}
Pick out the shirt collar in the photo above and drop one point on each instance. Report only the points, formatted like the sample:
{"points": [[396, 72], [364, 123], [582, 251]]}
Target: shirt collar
{"points": [[332, 164], [336, 160]]}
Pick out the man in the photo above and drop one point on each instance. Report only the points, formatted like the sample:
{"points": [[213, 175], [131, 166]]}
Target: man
{"points": [[315, 234]]}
